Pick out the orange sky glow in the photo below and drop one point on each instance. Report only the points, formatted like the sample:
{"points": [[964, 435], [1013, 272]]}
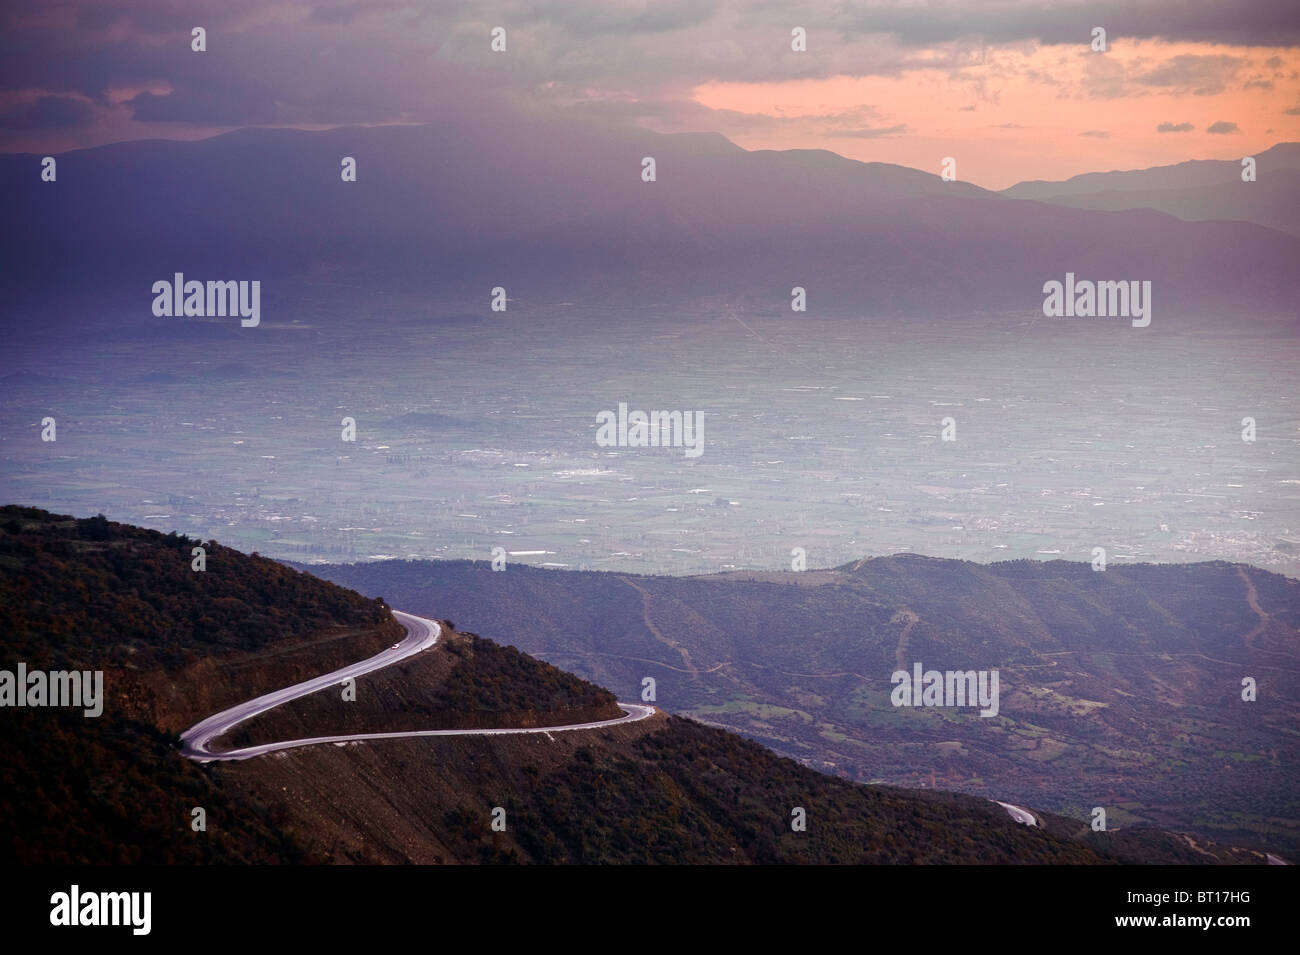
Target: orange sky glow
{"points": [[1034, 112]]}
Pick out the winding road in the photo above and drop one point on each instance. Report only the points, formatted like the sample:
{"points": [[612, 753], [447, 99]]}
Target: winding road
{"points": [[1023, 816], [421, 634]]}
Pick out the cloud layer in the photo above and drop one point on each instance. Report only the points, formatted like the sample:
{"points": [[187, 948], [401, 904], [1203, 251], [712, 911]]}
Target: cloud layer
{"points": [[81, 72]]}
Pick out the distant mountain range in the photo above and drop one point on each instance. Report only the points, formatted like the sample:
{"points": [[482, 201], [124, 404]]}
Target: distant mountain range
{"points": [[1196, 190], [558, 211]]}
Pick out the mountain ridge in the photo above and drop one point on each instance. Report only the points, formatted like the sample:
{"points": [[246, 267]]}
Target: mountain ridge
{"points": [[1119, 688], [565, 213], [663, 790]]}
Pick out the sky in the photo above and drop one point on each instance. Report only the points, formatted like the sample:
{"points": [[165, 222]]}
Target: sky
{"points": [[1010, 89]]}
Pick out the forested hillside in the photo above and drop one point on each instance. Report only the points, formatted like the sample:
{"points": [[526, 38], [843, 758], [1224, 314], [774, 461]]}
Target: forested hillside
{"points": [[114, 788], [91, 594], [1120, 689]]}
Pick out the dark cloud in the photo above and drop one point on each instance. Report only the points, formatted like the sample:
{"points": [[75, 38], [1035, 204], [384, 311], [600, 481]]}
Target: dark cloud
{"points": [[1175, 128], [1096, 133], [345, 11], [203, 107], [1200, 75], [374, 68], [603, 18], [336, 62], [1244, 22], [48, 113], [1221, 127]]}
